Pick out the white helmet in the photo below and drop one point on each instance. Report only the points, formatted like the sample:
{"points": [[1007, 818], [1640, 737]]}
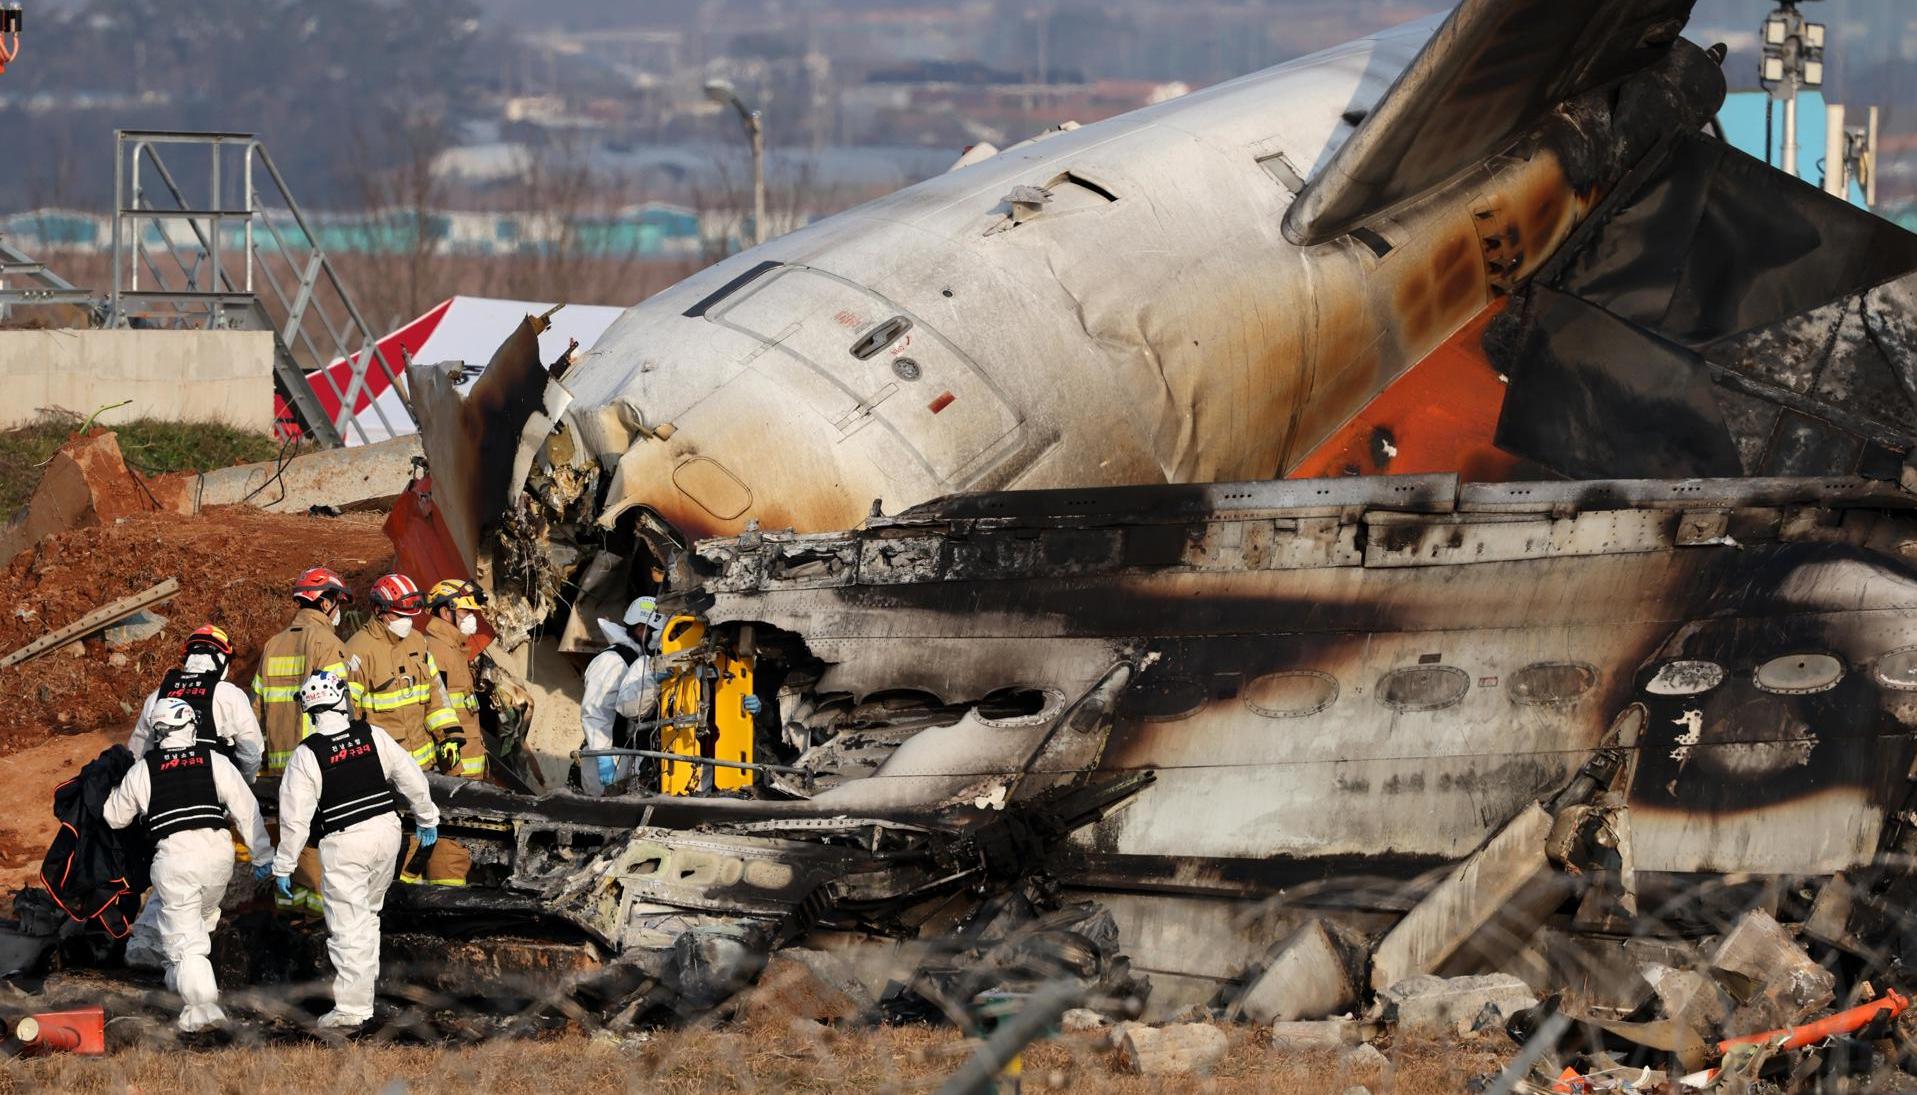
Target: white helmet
{"points": [[170, 716], [644, 611], [323, 691]]}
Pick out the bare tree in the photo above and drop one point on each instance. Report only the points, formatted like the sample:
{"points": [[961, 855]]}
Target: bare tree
{"points": [[403, 206], [581, 240]]}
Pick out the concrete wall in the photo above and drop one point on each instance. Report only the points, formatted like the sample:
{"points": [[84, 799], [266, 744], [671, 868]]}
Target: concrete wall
{"points": [[346, 478], [222, 376]]}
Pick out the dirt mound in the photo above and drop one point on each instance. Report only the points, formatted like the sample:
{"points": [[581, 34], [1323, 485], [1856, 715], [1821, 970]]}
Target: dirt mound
{"points": [[234, 565], [87, 483]]}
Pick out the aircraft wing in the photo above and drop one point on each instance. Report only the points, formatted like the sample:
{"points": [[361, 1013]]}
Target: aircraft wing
{"points": [[1495, 69]]}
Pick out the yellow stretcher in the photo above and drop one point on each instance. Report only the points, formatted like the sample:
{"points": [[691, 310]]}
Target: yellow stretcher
{"points": [[715, 699]]}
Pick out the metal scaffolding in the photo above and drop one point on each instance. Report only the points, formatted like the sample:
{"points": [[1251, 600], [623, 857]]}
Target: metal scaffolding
{"points": [[181, 263]]}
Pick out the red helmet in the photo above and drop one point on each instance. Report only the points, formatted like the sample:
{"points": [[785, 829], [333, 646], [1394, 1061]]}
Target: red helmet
{"points": [[209, 638], [399, 594], [317, 582]]}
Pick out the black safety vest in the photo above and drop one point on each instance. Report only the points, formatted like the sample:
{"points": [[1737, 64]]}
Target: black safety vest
{"points": [[197, 690], [184, 795], [353, 784]]}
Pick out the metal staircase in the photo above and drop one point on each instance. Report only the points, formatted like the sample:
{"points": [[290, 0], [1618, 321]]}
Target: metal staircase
{"points": [[42, 286], [248, 259]]}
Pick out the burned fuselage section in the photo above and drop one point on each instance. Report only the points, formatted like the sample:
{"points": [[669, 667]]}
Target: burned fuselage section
{"points": [[1325, 690]]}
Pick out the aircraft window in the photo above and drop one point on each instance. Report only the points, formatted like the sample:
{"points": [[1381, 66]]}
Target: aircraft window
{"points": [[878, 338], [1371, 238], [1799, 674], [1103, 193], [1165, 699], [1898, 670], [766, 874], [1017, 706], [1279, 167], [1423, 687], [1685, 678], [1291, 694], [714, 298], [1552, 682]]}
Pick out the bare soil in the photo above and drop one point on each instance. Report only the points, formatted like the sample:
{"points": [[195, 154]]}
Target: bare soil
{"points": [[234, 564], [762, 1058], [26, 812]]}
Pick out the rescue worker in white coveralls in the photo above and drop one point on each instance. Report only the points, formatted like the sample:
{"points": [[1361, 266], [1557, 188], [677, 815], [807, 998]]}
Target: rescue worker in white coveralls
{"points": [[225, 724], [226, 721], [619, 690], [188, 792], [339, 787], [622, 690]]}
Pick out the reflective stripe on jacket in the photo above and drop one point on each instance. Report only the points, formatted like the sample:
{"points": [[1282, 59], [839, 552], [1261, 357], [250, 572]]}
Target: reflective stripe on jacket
{"points": [[448, 648], [395, 683], [308, 645]]}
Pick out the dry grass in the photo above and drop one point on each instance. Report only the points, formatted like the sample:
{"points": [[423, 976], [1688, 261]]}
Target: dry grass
{"points": [[767, 1058]]}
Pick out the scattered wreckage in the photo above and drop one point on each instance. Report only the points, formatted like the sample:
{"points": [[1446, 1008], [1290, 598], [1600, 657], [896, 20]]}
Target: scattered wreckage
{"points": [[1644, 669], [1285, 748]]}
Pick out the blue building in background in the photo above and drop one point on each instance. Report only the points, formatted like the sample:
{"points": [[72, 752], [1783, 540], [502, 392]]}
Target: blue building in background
{"points": [[1743, 119]]}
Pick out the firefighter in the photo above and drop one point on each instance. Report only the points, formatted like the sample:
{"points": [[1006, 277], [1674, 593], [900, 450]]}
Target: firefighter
{"points": [[620, 689], [339, 787], [226, 721], [310, 643], [395, 681], [454, 604], [188, 792]]}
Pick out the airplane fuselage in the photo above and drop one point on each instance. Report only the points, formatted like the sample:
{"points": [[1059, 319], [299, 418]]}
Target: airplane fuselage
{"points": [[1139, 318]]}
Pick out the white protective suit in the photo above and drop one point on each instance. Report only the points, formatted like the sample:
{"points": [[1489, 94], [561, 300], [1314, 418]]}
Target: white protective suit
{"points": [[357, 863], [232, 720], [613, 689], [190, 873]]}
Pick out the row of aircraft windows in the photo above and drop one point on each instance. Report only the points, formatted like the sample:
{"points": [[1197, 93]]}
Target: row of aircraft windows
{"points": [[1298, 693]]}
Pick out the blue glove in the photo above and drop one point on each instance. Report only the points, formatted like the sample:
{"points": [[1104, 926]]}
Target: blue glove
{"points": [[428, 835], [262, 871], [753, 705], [284, 884], [659, 675], [608, 771]]}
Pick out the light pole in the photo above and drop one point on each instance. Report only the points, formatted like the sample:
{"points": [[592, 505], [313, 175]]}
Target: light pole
{"points": [[1793, 61], [721, 91]]}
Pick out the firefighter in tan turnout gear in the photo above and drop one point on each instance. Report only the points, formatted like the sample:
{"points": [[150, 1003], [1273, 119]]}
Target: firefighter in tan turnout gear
{"points": [[309, 644], [454, 608], [395, 683]]}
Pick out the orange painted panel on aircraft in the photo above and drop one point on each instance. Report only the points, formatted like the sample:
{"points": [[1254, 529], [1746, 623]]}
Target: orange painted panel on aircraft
{"points": [[1440, 416]]}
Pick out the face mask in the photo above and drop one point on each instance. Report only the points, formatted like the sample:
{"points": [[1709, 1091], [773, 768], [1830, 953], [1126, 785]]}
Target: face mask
{"points": [[468, 624], [201, 663], [400, 626], [337, 616]]}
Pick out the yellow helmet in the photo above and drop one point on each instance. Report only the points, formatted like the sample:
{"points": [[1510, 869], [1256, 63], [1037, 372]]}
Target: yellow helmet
{"points": [[457, 592]]}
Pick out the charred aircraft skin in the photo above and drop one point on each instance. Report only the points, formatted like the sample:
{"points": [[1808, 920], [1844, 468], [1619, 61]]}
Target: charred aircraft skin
{"points": [[1319, 688]]}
